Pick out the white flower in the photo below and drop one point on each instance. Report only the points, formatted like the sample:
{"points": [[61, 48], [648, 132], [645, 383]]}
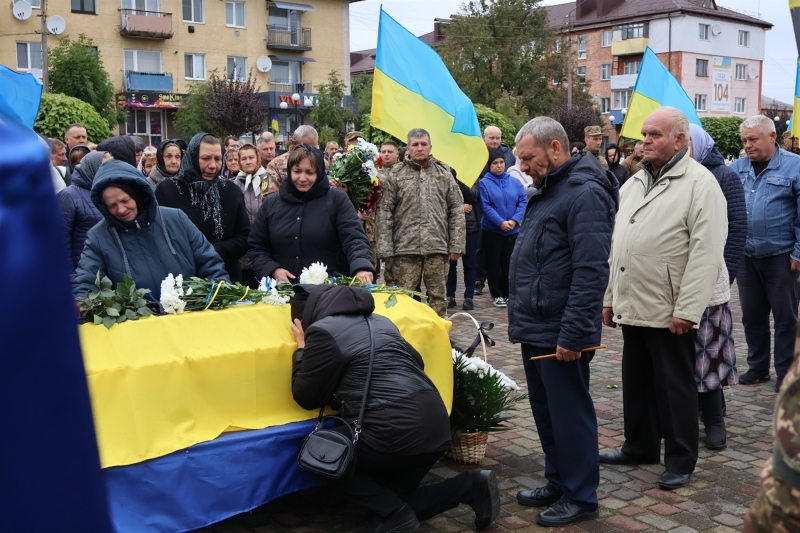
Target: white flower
{"points": [[273, 298], [266, 284], [171, 292], [368, 148], [482, 368], [369, 166], [316, 274], [337, 156]]}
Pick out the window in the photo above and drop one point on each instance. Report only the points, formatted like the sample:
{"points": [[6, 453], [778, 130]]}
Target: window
{"points": [[605, 105], [36, 4], [582, 74], [741, 71], [632, 67], [704, 31], [700, 102], [607, 34], [582, 46], [701, 68], [144, 61], [234, 14], [557, 80], [744, 38], [621, 98], [605, 71], [557, 46], [29, 55], [285, 73], [237, 68], [739, 106], [195, 66], [141, 7], [634, 31], [193, 11], [83, 6]]}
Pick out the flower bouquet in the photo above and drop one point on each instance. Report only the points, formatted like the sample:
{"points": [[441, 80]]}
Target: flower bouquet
{"points": [[197, 294], [356, 171]]}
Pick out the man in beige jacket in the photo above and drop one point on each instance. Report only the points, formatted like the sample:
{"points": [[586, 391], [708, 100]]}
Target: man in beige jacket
{"points": [[666, 256]]}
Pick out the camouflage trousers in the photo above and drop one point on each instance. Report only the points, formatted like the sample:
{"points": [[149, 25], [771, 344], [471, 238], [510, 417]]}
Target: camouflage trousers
{"points": [[776, 509], [408, 271]]}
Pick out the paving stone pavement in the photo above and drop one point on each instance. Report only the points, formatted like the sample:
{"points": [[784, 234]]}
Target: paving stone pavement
{"points": [[722, 488]]}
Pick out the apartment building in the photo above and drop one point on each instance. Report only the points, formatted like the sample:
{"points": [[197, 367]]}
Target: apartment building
{"points": [[154, 50], [715, 53]]}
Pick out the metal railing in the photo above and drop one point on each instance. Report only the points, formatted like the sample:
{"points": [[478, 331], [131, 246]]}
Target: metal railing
{"points": [[288, 37], [147, 81], [141, 23], [290, 86]]}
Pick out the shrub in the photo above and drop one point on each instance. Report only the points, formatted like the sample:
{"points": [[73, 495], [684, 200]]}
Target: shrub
{"points": [[58, 111]]}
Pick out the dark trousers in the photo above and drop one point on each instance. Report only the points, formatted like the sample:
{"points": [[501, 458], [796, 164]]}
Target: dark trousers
{"points": [[480, 255], [249, 279], [468, 260], [566, 421], [383, 483], [659, 397], [768, 285], [497, 249]]}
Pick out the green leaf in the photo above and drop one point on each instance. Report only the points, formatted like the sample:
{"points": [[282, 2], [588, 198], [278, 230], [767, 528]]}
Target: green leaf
{"points": [[140, 303], [94, 295], [112, 312], [117, 306], [97, 280], [144, 311], [131, 314], [109, 321], [391, 301], [97, 320], [121, 319], [106, 283]]}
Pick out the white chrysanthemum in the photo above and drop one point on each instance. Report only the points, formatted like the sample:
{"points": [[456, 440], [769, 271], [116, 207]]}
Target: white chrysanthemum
{"points": [[369, 166], [273, 298], [171, 292], [337, 156], [482, 368], [368, 148], [316, 274], [266, 284]]}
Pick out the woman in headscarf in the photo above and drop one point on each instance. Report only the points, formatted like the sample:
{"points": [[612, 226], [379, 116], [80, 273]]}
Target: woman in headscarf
{"points": [[214, 205], [309, 221], [139, 238], [612, 157], [80, 214], [716, 355], [168, 163], [251, 179]]}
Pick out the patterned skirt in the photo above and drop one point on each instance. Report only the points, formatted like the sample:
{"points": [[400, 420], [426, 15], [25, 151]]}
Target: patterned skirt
{"points": [[715, 366]]}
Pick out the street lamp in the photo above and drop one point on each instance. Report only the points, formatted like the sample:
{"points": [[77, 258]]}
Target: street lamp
{"points": [[296, 102]]}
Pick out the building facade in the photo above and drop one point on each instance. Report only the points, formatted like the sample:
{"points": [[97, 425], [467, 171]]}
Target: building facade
{"points": [[154, 50]]}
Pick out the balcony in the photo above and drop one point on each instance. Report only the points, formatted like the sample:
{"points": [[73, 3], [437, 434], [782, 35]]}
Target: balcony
{"points": [[629, 46], [289, 86], [151, 24], [288, 38], [623, 81], [147, 81]]}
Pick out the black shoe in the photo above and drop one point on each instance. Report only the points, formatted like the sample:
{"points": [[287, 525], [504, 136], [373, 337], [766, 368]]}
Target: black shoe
{"points": [[539, 497], [401, 521], [485, 498], [751, 377], [467, 305], [670, 481], [565, 513], [778, 383], [618, 457], [451, 303], [479, 288], [716, 436]]}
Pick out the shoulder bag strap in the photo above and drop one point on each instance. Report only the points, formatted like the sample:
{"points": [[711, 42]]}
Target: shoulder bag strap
{"points": [[369, 376]]}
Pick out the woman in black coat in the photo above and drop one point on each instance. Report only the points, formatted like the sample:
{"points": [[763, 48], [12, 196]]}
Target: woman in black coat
{"points": [[215, 206], [308, 221]]}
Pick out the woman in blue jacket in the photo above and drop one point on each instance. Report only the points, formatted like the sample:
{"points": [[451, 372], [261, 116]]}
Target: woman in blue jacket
{"points": [[503, 200]]}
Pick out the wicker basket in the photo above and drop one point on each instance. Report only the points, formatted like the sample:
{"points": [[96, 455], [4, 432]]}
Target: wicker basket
{"points": [[469, 448]]}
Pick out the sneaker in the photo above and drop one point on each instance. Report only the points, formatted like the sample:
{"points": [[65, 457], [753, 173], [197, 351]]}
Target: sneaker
{"points": [[500, 302], [451, 302], [751, 377], [467, 306]]}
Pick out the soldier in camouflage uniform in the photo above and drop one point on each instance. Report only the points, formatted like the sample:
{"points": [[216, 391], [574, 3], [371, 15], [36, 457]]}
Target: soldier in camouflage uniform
{"points": [[776, 509], [421, 221], [593, 139], [276, 169]]}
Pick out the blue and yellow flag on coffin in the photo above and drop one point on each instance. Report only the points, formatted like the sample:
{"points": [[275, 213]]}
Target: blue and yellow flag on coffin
{"points": [[655, 87], [412, 88]]}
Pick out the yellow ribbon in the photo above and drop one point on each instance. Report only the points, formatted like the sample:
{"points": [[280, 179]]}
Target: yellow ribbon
{"points": [[247, 290], [221, 282]]}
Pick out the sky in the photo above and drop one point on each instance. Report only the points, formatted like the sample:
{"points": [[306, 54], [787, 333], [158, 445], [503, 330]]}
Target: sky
{"points": [[780, 61]]}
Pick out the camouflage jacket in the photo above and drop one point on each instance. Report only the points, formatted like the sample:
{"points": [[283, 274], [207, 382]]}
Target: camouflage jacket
{"points": [[420, 211], [276, 171], [603, 161]]}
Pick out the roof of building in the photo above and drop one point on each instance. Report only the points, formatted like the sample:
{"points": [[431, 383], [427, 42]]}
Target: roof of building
{"points": [[363, 61], [768, 103], [635, 9]]}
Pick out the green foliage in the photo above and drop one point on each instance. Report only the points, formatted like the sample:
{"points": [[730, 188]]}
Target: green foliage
{"points": [[361, 88], [191, 117], [329, 111], [725, 132], [326, 135], [377, 136], [489, 117], [108, 306], [57, 111], [512, 109], [75, 69]]}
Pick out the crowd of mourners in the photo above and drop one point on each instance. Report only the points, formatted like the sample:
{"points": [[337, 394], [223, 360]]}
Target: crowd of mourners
{"points": [[567, 238]]}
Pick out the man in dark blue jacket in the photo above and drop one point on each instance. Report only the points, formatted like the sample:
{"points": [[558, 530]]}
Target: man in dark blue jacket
{"points": [[558, 275]]}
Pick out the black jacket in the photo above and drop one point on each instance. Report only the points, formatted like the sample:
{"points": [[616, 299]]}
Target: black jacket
{"points": [[559, 267], [470, 196], [405, 414], [731, 187], [235, 223], [293, 230]]}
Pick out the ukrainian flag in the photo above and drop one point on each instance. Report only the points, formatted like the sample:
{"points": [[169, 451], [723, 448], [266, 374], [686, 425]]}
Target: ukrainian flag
{"points": [[412, 88], [20, 98], [275, 126], [795, 125], [655, 87]]}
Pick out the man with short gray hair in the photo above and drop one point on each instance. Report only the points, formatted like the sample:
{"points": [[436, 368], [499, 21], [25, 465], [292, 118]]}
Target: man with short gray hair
{"points": [[276, 169], [666, 258], [557, 278], [421, 226], [767, 277]]}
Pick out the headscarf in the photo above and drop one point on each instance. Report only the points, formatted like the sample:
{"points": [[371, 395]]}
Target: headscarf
{"points": [[121, 147], [160, 156], [612, 166], [702, 143], [90, 164], [320, 186], [204, 193]]}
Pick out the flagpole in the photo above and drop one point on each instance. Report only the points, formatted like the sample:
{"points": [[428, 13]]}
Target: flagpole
{"points": [[45, 77]]}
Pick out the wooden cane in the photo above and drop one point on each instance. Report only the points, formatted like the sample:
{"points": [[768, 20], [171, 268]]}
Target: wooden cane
{"points": [[601, 347]]}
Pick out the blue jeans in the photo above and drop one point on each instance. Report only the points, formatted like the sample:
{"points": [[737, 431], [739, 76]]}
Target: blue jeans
{"points": [[470, 269]]}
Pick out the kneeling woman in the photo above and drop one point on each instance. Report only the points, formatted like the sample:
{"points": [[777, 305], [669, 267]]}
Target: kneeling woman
{"points": [[139, 238], [405, 426]]}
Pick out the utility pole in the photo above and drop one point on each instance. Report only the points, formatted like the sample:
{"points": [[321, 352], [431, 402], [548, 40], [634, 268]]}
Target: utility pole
{"points": [[569, 70], [45, 80]]}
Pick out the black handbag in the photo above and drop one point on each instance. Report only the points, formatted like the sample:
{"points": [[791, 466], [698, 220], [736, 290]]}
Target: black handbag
{"points": [[331, 453]]}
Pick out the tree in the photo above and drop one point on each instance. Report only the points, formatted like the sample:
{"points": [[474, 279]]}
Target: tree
{"points": [[328, 111], [513, 109], [361, 88], [191, 116], [377, 136], [725, 132], [574, 119], [57, 111], [75, 69], [234, 107], [489, 117], [494, 47]]}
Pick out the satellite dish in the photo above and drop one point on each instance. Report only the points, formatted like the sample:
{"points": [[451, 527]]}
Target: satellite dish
{"points": [[22, 10], [264, 64], [56, 25], [716, 29], [753, 74]]}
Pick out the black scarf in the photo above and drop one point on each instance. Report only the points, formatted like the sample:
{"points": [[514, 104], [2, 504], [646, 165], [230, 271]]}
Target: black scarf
{"points": [[204, 193]]}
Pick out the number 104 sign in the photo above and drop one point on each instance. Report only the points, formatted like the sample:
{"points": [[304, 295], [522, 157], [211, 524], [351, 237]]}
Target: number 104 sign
{"points": [[721, 79]]}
